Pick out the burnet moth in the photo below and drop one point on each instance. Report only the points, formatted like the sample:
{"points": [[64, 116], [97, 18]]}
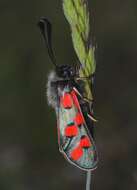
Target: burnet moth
{"points": [[75, 121]]}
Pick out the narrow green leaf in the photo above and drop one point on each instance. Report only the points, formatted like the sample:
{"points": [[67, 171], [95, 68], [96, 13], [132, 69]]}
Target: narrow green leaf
{"points": [[77, 14]]}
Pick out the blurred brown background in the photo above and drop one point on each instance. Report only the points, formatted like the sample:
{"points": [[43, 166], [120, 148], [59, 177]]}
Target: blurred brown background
{"points": [[29, 156]]}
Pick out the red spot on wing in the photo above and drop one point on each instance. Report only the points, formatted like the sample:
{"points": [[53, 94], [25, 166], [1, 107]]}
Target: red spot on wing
{"points": [[77, 153], [79, 120], [66, 101], [75, 100], [85, 142], [71, 131]]}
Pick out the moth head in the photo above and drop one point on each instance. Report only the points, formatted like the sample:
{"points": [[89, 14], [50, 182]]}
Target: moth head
{"points": [[66, 71]]}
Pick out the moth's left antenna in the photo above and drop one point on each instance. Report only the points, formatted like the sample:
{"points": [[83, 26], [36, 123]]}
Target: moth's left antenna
{"points": [[46, 31]]}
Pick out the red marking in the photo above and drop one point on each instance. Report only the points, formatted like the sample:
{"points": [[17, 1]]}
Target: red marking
{"points": [[77, 153], [85, 142], [71, 131], [76, 102], [79, 119], [73, 93], [66, 100]]}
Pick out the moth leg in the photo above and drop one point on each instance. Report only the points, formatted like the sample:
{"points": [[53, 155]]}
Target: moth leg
{"points": [[90, 102], [83, 78], [92, 118], [84, 98], [90, 114], [77, 91]]}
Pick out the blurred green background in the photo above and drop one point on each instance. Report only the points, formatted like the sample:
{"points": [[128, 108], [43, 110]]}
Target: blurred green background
{"points": [[29, 156]]}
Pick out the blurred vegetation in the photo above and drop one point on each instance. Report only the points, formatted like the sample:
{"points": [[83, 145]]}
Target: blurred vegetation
{"points": [[29, 157]]}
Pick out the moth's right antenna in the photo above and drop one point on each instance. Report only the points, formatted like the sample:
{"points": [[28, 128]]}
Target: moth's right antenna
{"points": [[46, 31]]}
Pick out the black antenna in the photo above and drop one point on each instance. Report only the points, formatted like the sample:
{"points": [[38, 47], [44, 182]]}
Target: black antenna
{"points": [[46, 31]]}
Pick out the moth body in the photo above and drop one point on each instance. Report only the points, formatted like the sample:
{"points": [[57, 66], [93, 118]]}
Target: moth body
{"points": [[66, 91], [75, 128]]}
